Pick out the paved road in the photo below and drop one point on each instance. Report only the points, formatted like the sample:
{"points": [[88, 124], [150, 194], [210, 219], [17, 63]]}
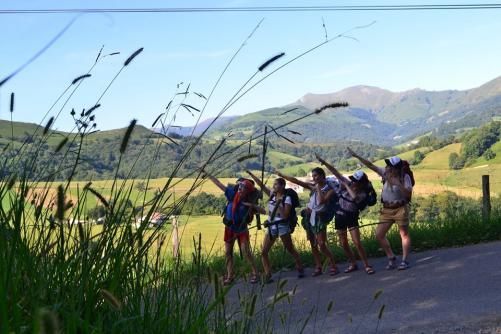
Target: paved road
{"points": [[455, 290]]}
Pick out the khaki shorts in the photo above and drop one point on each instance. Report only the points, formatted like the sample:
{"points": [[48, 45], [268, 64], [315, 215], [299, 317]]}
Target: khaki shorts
{"points": [[398, 215]]}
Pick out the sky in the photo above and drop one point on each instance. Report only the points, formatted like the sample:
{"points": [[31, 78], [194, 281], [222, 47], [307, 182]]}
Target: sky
{"points": [[402, 50]]}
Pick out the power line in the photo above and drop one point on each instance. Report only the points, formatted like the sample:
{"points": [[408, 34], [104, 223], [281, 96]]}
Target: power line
{"points": [[257, 9]]}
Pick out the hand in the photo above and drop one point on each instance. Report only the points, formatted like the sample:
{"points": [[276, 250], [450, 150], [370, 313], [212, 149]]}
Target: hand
{"points": [[249, 204]]}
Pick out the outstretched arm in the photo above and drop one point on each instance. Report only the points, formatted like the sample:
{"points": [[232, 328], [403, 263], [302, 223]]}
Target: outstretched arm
{"points": [[366, 162], [216, 182], [332, 169], [264, 188], [294, 180]]}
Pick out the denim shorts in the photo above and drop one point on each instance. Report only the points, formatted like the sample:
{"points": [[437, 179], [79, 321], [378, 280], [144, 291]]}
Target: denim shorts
{"points": [[279, 229]]}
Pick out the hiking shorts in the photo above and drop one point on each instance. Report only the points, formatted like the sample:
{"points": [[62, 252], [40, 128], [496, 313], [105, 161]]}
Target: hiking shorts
{"points": [[230, 236], [312, 231], [279, 229], [346, 221], [398, 215]]}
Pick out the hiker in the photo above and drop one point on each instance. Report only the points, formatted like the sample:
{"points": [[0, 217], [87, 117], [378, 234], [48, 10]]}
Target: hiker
{"points": [[280, 207], [396, 195], [353, 193], [236, 218], [316, 217]]}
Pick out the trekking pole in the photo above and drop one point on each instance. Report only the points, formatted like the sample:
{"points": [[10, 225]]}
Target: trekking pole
{"points": [[258, 217]]}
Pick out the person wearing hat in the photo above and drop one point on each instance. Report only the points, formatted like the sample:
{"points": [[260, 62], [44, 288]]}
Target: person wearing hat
{"points": [[352, 193], [395, 196], [238, 213]]}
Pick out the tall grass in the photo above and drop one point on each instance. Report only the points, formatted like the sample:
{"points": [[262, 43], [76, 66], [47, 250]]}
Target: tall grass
{"points": [[56, 275]]}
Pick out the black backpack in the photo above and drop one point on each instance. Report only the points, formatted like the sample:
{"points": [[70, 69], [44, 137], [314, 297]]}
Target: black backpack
{"points": [[292, 220], [370, 198]]}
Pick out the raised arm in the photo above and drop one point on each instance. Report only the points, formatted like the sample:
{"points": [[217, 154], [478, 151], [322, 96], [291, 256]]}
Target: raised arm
{"points": [[332, 169], [294, 180], [366, 162], [216, 182], [264, 188]]}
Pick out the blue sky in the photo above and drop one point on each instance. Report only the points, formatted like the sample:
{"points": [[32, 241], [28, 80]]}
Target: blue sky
{"points": [[433, 50]]}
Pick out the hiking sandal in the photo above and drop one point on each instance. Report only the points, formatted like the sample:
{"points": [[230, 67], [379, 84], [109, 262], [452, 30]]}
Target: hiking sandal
{"points": [[228, 280], [317, 272], [369, 270], [351, 268], [333, 271], [391, 263], [403, 265], [254, 279], [267, 279], [300, 273]]}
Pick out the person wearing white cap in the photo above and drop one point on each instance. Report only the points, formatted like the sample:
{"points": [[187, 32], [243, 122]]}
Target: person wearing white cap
{"points": [[351, 195], [396, 195]]}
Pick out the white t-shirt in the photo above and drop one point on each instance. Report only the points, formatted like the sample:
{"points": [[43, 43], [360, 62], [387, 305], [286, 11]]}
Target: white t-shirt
{"points": [[271, 206], [392, 193]]}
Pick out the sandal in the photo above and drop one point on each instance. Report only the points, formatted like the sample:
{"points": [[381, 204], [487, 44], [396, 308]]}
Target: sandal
{"points": [[391, 263], [369, 270], [403, 265], [300, 273], [351, 268], [228, 280], [317, 272], [254, 279], [333, 271], [267, 279]]}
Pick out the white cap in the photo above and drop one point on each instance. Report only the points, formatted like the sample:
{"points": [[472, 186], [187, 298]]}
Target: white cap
{"points": [[393, 161], [358, 175]]}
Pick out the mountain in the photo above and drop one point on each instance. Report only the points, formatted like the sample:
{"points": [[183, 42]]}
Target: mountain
{"points": [[201, 127], [378, 115]]}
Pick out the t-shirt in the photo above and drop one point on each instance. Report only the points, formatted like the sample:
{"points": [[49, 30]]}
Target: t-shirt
{"points": [[241, 213], [314, 204], [392, 193], [271, 206], [348, 204]]}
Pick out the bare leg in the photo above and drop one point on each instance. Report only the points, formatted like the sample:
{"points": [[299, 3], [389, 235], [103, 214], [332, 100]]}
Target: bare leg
{"points": [[245, 245], [267, 244], [316, 254], [322, 244], [343, 240], [289, 245], [355, 237], [406, 241], [228, 251], [381, 231]]}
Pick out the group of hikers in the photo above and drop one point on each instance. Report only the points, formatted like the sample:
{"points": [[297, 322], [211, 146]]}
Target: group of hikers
{"points": [[340, 199]]}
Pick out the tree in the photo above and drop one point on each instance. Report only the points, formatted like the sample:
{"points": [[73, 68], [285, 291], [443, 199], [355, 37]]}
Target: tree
{"points": [[455, 161], [301, 172], [489, 154], [418, 157]]}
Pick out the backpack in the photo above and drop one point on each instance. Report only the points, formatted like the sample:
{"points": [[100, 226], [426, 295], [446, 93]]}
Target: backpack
{"points": [[292, 220], [332, 205], [254, 197], [407, 170], [370, 198]]}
